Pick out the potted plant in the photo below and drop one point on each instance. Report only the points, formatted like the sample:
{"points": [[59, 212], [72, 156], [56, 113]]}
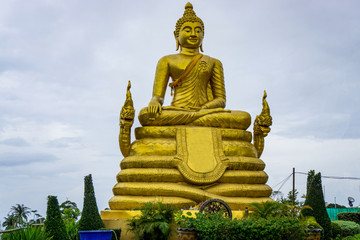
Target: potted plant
{"points": [[154, 221], [186, 223]]}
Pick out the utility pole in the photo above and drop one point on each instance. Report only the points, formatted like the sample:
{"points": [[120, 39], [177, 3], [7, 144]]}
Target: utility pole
{"points": [[293, 195]]}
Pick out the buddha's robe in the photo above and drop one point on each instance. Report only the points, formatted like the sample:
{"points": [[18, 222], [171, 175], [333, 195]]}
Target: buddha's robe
{"points": [[202, 88]]}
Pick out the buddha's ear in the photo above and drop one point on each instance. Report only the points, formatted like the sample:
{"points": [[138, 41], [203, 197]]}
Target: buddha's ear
{"points": [[177, 41]]}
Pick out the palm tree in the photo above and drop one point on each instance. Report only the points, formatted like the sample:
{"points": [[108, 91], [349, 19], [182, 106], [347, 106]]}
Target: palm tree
{"points": [[9, 221], [265, 209], [20, 213]]}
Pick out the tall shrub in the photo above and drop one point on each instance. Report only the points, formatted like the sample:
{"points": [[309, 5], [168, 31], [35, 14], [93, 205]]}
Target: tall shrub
{"points": [[315, 199], [90, 217], [54, 225]]}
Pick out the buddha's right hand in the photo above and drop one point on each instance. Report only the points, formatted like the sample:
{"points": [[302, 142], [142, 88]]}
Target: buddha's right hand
{"points": [[154, 108]]}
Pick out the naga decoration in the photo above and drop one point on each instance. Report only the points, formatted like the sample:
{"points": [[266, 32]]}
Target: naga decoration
{"points": [[262, 126], [127, 115]]}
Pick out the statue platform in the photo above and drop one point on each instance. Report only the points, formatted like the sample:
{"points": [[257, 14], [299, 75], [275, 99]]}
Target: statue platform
{"points": [[184, 166]]}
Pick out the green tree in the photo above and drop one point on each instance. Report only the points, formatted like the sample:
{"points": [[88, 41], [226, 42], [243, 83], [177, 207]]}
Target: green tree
{"points": [[54, 225], [9, 221], [20, 213], [69, 210], [90, 217], [315, 199]]}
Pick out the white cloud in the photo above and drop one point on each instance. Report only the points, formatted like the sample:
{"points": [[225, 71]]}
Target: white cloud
{"points": [[64, 67]]}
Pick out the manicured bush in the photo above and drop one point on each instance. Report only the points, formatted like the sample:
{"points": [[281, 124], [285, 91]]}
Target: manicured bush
{"points": [[215, 226], [54, 225], [315, 199], [90, 217], [336, 230], [349, 216], [348, 228]]}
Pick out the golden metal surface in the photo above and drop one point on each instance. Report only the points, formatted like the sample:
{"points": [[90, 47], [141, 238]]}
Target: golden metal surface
{"points": [[262, 126], [127, 115], [193, 149]]}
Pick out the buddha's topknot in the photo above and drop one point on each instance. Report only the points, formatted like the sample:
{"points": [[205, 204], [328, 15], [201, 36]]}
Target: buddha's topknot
{"points": [[189, 16]]}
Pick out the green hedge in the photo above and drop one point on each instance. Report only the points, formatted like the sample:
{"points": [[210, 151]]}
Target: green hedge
{"points": [[349, 216], [315, 199], [90, 217], [54, 225], [336, 229], [348, 228], [214, 226]]}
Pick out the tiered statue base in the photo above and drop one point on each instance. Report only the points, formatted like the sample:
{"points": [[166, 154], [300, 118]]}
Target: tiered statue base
{"points": [[184, 166]]}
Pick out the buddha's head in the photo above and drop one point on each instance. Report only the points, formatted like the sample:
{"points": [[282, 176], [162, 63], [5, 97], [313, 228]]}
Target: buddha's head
{"points": [[189, 29]]}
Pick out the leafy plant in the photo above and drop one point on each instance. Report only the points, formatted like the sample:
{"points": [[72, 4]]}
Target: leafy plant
{"points": [[185, 220], [71, 227], [265, 209], [54, 225], [90, 217], [30, 233], [154, 221]]}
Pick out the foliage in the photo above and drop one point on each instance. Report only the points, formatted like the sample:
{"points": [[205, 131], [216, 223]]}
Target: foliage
{"points": [[54, 225], [18, 217], [348, 228], [69, 210], [90, 217], [265, 209], [30, 233], [315, 199], [185, 220], [215, 226], [9, 221], [349, 216], [71, 227], [20, 213], [336, 229], [154, 221]]}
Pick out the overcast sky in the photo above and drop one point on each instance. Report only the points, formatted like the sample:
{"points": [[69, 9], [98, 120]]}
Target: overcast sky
{"points": [[64, 67]]}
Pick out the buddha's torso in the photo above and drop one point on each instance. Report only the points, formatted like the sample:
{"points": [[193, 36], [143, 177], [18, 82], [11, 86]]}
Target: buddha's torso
{"points": [[193, 89]]}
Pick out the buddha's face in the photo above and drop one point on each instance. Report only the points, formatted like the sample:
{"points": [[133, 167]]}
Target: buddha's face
{"points": [[191, 35]]}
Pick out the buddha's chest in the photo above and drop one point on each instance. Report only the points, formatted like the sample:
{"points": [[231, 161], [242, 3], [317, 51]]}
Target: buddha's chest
{"points": [[201, 71]]}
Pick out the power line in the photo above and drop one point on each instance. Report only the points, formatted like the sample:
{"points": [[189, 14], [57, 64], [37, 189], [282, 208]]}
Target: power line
{"points": [[283, 182], [333, 177], [303, 173]]}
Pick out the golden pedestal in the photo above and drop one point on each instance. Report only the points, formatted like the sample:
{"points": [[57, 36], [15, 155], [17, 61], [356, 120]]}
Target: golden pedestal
{"points": [[184, 166]]}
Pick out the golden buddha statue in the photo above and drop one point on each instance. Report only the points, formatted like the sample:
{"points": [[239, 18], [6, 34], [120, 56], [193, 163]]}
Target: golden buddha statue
{"points": [[194, 149], [198, 84]]}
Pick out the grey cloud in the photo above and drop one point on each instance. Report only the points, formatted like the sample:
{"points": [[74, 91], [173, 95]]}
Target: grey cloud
{"points": [[15, 142], [9, 159], [63, 142]]}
